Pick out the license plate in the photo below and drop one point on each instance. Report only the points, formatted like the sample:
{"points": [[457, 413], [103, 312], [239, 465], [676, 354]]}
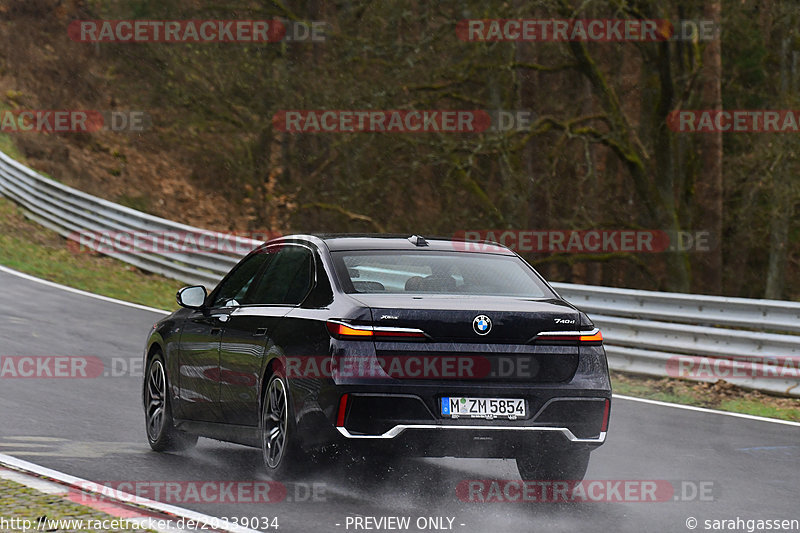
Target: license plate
{"points": [[489, 408]]}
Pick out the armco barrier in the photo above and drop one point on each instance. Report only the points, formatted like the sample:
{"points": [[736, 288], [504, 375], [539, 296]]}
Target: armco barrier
{"points": [[643, 330], [69, 211]]}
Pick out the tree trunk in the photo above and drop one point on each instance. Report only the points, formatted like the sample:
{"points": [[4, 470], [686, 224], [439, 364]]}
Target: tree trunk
{"points": [[781, 197], [708, 189], [778, 240]]}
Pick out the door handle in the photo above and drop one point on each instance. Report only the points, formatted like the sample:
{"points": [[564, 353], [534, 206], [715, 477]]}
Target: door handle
{"points": [[214, 331], [260, 332]]}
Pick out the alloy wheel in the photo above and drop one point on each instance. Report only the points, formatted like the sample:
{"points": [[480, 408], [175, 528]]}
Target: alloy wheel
{"points": [[275, 423], [156, 399]]}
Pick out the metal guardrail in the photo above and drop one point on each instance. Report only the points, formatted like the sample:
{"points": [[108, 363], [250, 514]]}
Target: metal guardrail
{"points": [[768, 315], [749, 342], [86, 219]]}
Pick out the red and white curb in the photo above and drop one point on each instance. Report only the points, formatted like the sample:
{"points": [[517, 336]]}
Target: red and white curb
{"points": [[120, 505]]}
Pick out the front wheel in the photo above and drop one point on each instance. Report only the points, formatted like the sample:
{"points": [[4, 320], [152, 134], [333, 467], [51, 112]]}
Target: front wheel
{"points": [[554, 465], [282, 455], [161, 432]]}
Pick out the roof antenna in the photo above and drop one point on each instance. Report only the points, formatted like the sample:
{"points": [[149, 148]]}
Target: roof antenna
{"points": [[418, 240]]}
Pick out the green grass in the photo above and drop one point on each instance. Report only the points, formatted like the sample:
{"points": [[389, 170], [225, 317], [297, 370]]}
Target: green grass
{"points": [[140, 202], [644, 391], [19, 503], [7, 144], [9, 147], [758, 409], [721, 396], [30, 248]]}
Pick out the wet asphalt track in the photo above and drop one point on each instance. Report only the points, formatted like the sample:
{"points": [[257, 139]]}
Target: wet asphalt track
{"points": [[94, 429]]}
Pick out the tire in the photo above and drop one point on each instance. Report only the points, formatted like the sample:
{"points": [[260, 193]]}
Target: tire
{"points": [[554, 465], [282, 455], [161, 432]]}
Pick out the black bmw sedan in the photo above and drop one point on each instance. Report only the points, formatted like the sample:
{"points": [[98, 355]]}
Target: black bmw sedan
{"points": [[394, 345]]}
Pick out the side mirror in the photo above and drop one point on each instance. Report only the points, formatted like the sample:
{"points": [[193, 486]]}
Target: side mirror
{"points": [[193, 297]]}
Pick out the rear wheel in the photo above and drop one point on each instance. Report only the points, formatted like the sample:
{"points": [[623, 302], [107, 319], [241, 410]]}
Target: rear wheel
{"points": [[161, 432], [555, 465], [282, 455]]}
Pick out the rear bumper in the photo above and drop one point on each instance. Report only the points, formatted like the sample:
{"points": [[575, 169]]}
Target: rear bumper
{"points": [[500, 441], [385, 415], [400, 428], [469, 441], [408, 416]]}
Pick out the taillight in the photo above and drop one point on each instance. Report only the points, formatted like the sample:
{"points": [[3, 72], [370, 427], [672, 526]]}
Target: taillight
{"points": [[589, 337], [408, 333], [342, 330], [342, 411], [338, 329], [606, 412]]}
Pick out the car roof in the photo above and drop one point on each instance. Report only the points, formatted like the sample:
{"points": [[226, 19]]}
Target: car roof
{"points": [[395, 242]]}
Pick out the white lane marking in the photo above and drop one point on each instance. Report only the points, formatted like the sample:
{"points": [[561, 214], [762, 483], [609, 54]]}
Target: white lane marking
{"points": [[621, 397], [708, 411], [87, 486], [34, 438], [78, 291], [70, 448], [98, 449], [42, 485], [28, 453]]}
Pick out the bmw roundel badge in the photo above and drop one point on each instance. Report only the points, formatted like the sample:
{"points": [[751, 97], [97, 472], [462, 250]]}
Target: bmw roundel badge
{"points": [[482, 324]]}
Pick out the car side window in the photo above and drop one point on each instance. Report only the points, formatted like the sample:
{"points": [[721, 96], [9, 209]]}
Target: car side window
{"points": [[233, 289], [322, 294], [286, 280]]}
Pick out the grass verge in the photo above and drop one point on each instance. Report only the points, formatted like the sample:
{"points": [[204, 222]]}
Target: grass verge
{"points": [[20, 503], [8, 147], [720, 395], [33, 249]]}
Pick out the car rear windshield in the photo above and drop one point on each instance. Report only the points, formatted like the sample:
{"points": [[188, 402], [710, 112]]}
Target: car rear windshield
{"points": [[437, 272]]}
